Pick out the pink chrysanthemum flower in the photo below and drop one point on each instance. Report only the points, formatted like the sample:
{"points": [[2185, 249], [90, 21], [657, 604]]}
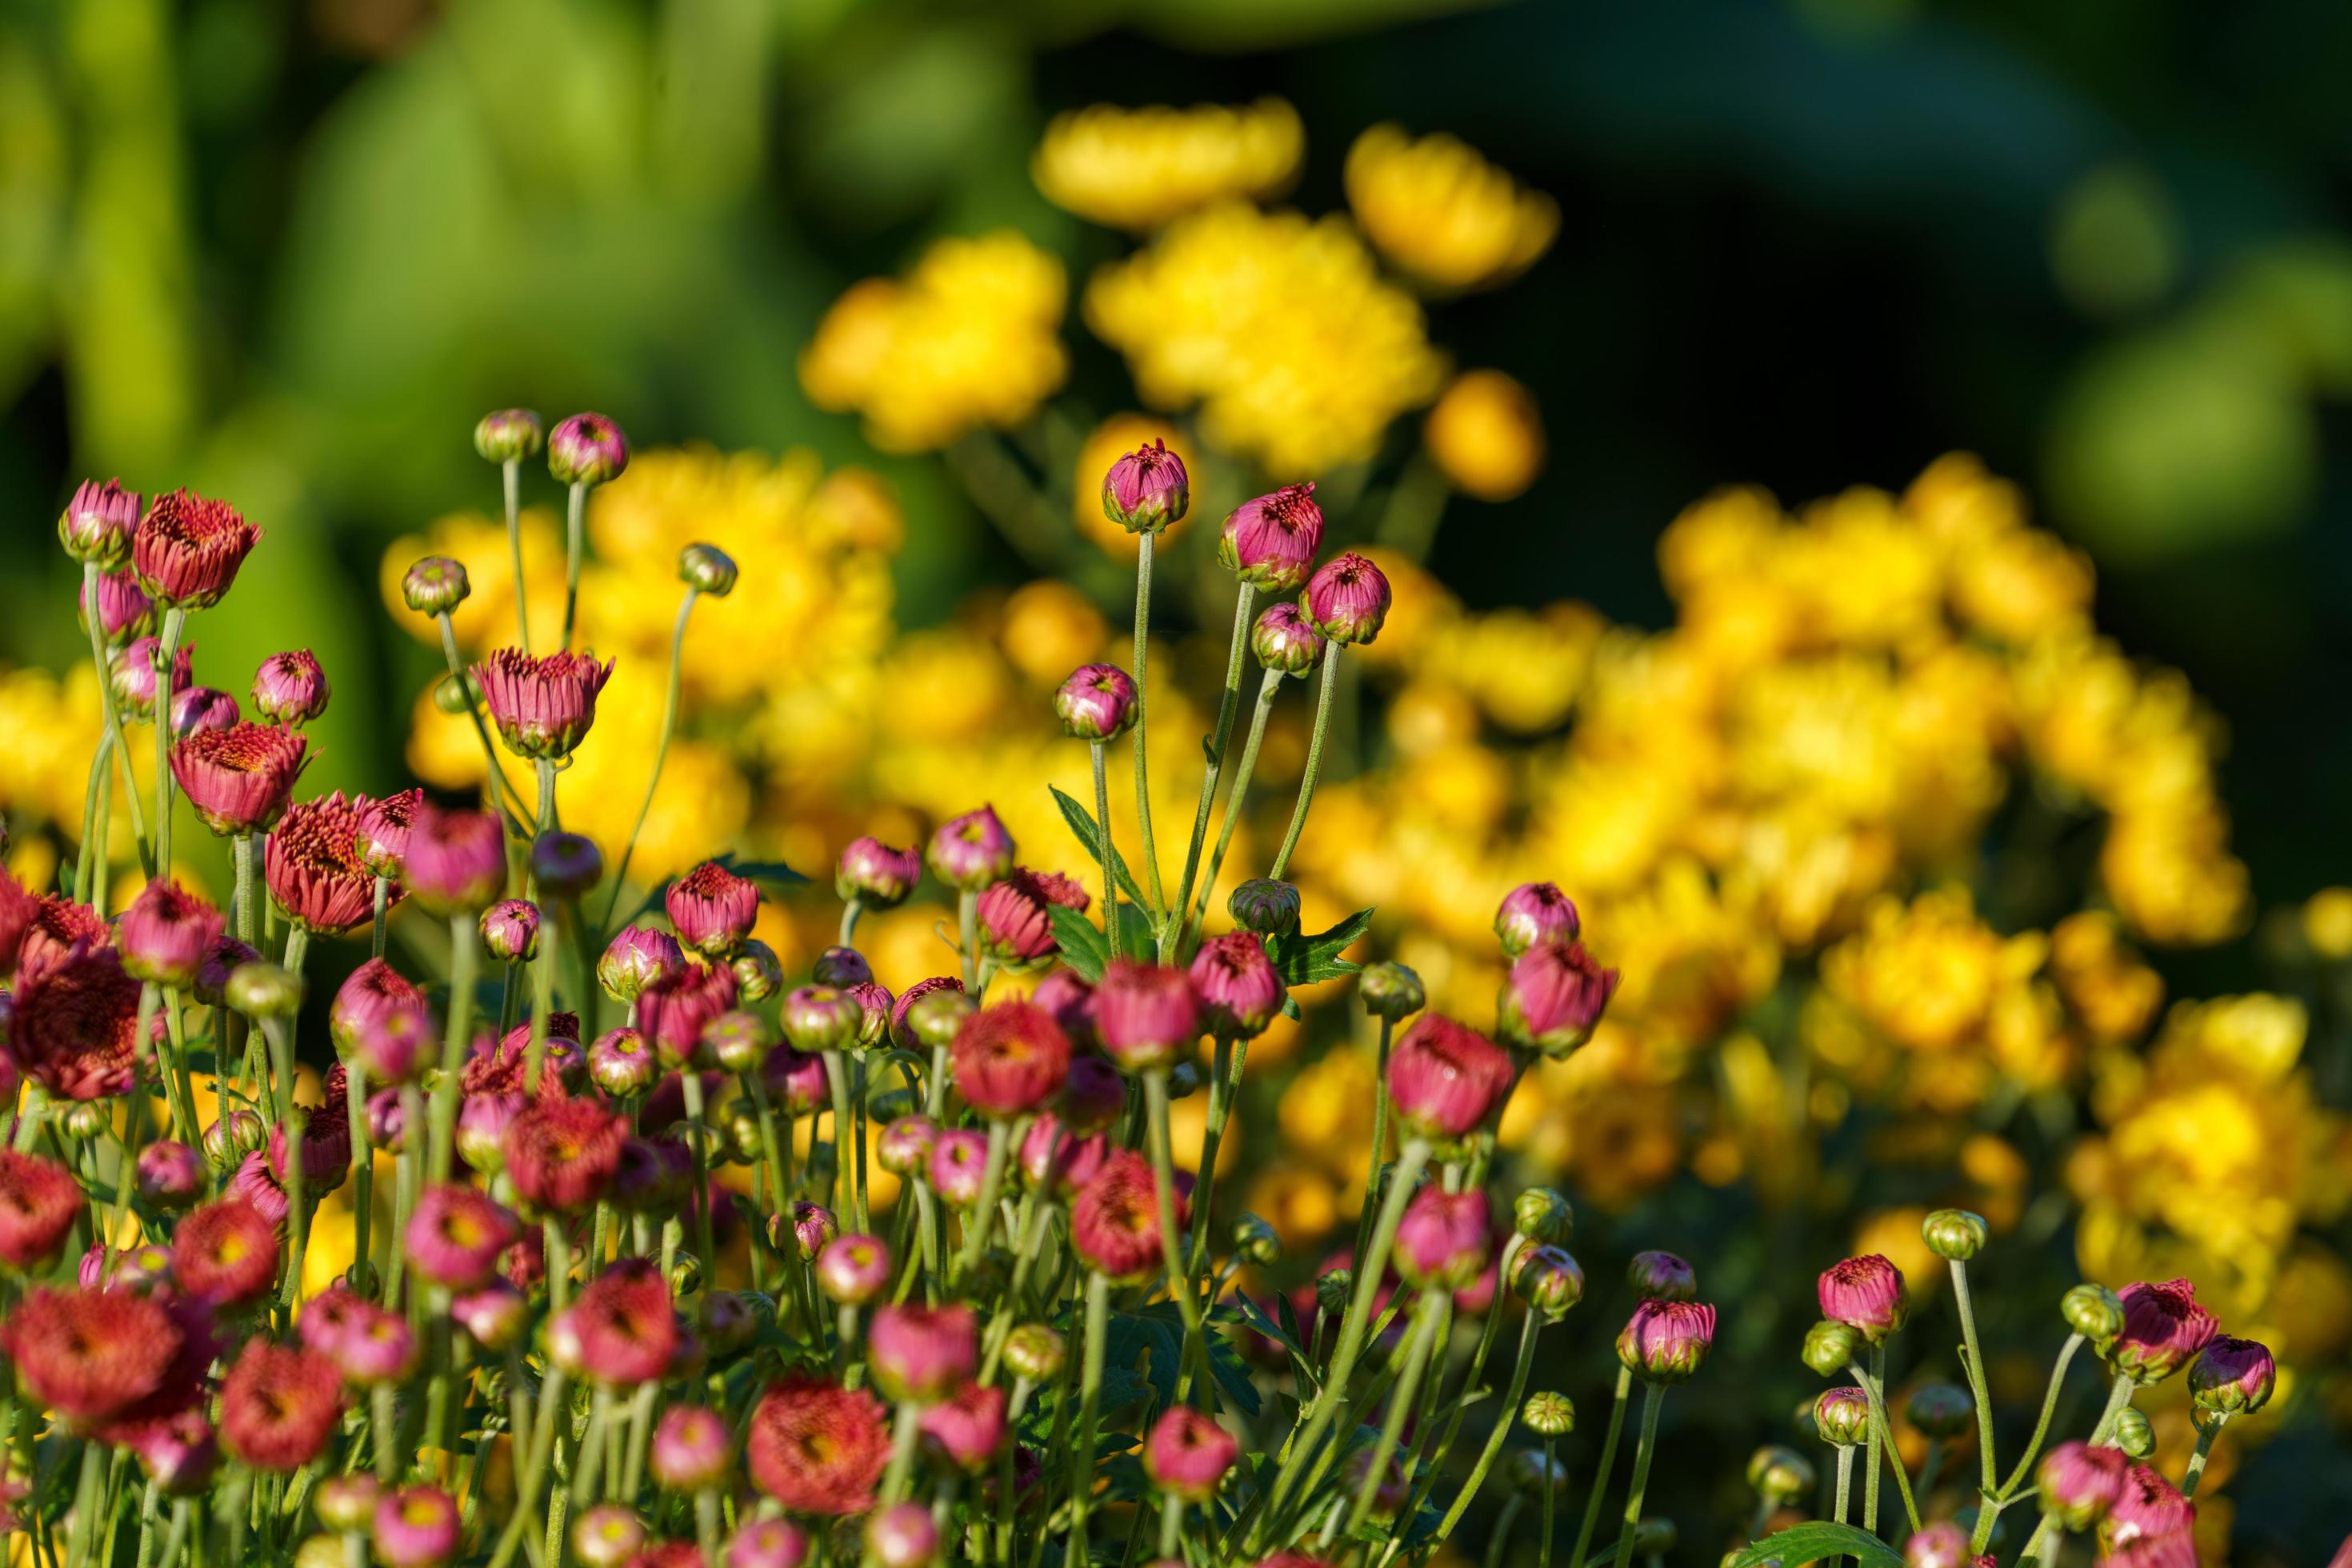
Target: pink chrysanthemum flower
{"points": [[634, 959], [314, 870], [1058, 1162], [89, 1355], [455, 862], [1010, 1058], [1147, 490], [621, 1064], [124, 610], [818, 1448], [923, 1354], [1534, 912], [384, 827], [875, 874], [1866, 1294], [75, 1019], [1445, 1077], [1443, 1241], [169, 1174], [415, 1527], [766, 1544], [455, 1235], [1666, 1342], [561, 1154], [692, 1450], [902, 1033], [1347, 599], [711, 908], [495, 1315], [2231, 1376], [1188, 1454], [2079, 1483], [2147, 1506], [970, 851], [187, 549], [1662, 1276], [369, 1345], [132, 675], [1115, 1220], [543, 706], [958, 1165], [1096, 702], [586, 449], [239, 779], [165, 933], [673, 1010], [289, 688], [1238, 989], [1093, 1097], [2163, 1328], [1554, 995], [278, 1405], [38, 1201], [1146, 1016], [1015, 928], [966, 1430], [622, 1332], [57, 926], [251, 1183], [222, 958], [1270, 541], [225, 1253], [179, 1452]]}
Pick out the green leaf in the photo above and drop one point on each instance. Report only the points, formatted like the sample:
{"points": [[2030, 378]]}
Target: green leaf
{"points": [[1819, 1542], [1303, 960], [1082, 823], [1083, 948], [1232, 1376], [774, 872]]}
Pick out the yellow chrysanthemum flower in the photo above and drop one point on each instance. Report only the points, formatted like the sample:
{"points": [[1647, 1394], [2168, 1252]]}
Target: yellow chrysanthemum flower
{"points": [[1138, 168], [1486, 436], [1442, 212]]}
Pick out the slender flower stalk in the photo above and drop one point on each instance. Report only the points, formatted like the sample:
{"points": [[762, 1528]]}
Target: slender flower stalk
{"points": [[1172, 1240], [1882, 1441], [1096, 751], [1428, 1313], [1600, 1472], [1323, 695], [661, 755], [495, 780], [1973, 1357], [1228, 705], [1520, 1368], [464, 958], [167, 644], [1236, 794], [1645, 1445], [1142, 712], [112, 745]]}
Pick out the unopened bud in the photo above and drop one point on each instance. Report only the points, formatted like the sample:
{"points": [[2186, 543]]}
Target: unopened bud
{"points": [[1940, 1410], [2133, 1434], [2094, 1313], [264, 991], [1034, 1351], [1780, 1474], [1254, 1241], [1548, 1415], [1544, 1216], [1830, 1346], [1388, 990], [706, 569], [436, 586], [1955, 1233]]}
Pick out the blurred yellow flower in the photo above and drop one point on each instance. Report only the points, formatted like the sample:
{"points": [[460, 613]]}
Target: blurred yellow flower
{"points": [[965, 341], [1278, 328], [1138, 168], [1486, 435], [1442, 212]]}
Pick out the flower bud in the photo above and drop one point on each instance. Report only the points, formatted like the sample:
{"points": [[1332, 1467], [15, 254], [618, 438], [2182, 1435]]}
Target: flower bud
{"points": [[759, 973], [587, 450], [634, 959], [876, 875], [1654, 1538], [2133, 1434], [2229, 1377], [234, 1136], [84, 1120], [435, 587], [1662, 1276], [607, 1535], [510, 930], [1553, 996], [1866, 1293], [98, 522], [2163, 1328], [2078, 1483], [1333, 1288], [1547, 1279], [1533, 1474], [171, 1175], [706, 569], [738, 1040], [566, 865], [1283, 640], [290, 688], [1347, 598], [1940, 1545], [508, 436], [1036, 1352], [1388, 990], [1442, 1243], [1955, 1233], [1831, 1347], [1256, 1241], [1147, 490], [1779, 1474], [853, 1270], [1266, 907], [202, 710], [346, 1503], [1533, 912], [1097, 702], [2094, 1313], [820, 1018], [1940, 1410], [1548, 1415], [265, 991], [1841, 1415], [902, 1536], [904, 1146], [970, 851], [1544, 1216]]}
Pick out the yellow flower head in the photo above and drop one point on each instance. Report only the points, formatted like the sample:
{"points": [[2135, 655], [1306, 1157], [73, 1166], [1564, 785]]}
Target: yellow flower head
{"points": [[1486, 435], [1138, 168], [1442, 212], [1279, 329], [1928, 973]]}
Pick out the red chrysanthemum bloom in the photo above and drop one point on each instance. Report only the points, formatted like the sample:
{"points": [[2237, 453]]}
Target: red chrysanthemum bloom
{"points": [[251, 1183], [89, 1355], [2163, 1328], [326, 1145], [456, 1236], [384, 830], [923, 1354], [75, 1025], [1188, 1454], [2147, 1506], [373, 992], [314, 870], [57, 926], [1146, 1016], [165, 933], [1014, 925], [622, 1332], [1239, 990], [1010, 1059], [711, 908], [967, 1429], [542, 706], [496, 1066], [1115, 1220], [561, 1154], [1666, 1342], [673, 1011], [1556, 994], [239, 779], [1447, 1078], [225, 1253], [278, 1405], [187, 549], [455, 862], [1866, 1294], [818, 1448], [1270, 541], [38, 1200], [19, 909]]}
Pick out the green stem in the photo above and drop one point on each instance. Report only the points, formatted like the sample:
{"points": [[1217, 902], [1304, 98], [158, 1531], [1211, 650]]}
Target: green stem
{"points": [[1550, 1498], [1600, 1488], [1428, 1313], [1845, 1482], [1171, 1241], [2039, 1546], [1142, 705], [1314, 760], [1975, 1358], [167, 642], [836, 1074], [1502, 1428], [2041, 1428], [698, 1134], [577, 510], [661, 755], [1228, 705], [968, 939], [383, 901], [2206, 1430], [1643, 1446], [1236, 794], [1102, 842], [363, 1172], [2119, 1395], [510, 477], [464, 957], [1498, 1550], [1082, 1457], [112, 714], [1882, 1431], [502, 794]]}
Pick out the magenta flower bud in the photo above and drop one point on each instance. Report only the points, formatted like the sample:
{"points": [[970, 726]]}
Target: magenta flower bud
{"points": [[165, 933], [796, 1080], [1093, 1096], [436, 586], [124, 610], [970, 851], [482, 1123], [289, 688], [766, 1544], [921, 1353], [904, 1146], [759, 973], [1445, 1079], [508, 436], [1097, 702], [1284, 639], [621, 1064], [233, 1136], [958, 1165], [566, 865], [2147, 1507], [1347, 599], [1443, 1241], [455, 1236], [377, 1348], [1841, 1415], [673, 1010], [853, 1270], [1553, 997], [841, 968], [1010, 1059], [1015, 928], [495, 1315], [171, 1174], [819, 1018], [1188, 1454], [2079, 1483], [239, 780], [874, 1029], [1147, 490], [876, 875], [202, 711], [634, 959], [609, 1535], [1056, 1160], [1533, 912], [382, 831], [966, 1431], [1146, 1016], [1865, 1294], [813, 1229], [98, 522], [1666, 1342], [187, 549], [456, 862], [622, 1330], [2163, 1329], [1662, 1276], [181, 1453], [586, 449], [1115, 1219], [347, 1503], [929, 1012], [510, 930], [711, 908], [387, 1120], [415, 1527], [132, 673], [692, 1450], [1940, 1545], [1270, 542], [1236, 985], [903, 1536], [738, 1041], [39, 1201], [394, 1046], [2231, 1376], [543, 707]]}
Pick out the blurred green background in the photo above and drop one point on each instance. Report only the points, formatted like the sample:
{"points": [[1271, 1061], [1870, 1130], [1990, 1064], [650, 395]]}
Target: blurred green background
{"points": [[287, 251]]}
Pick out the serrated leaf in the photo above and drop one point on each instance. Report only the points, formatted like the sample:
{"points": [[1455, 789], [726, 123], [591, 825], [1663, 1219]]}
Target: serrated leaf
{"points": [[1233, 1376], [774, 872], [1082, 825], [1304, 960], [1082, 945], [1145, 1339], [1819, 1541]]}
